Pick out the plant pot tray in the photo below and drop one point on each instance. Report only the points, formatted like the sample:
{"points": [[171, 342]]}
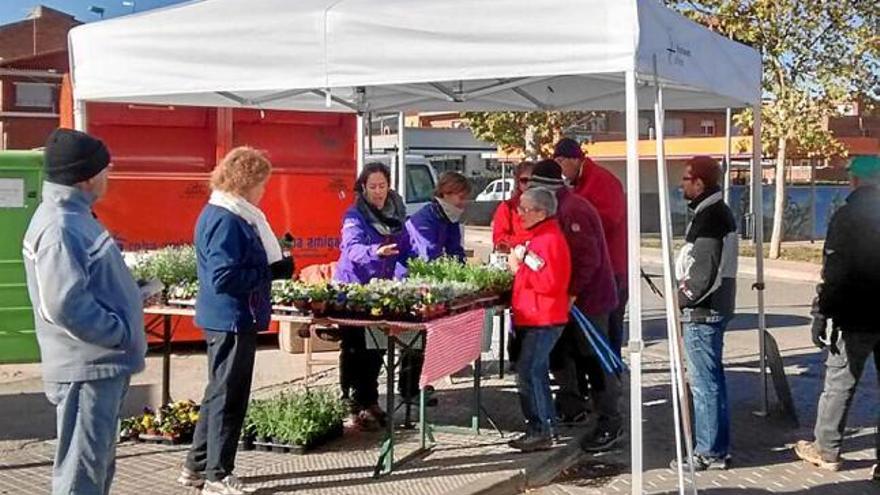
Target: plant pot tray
{"points": [[163, 440], [332, 434]]}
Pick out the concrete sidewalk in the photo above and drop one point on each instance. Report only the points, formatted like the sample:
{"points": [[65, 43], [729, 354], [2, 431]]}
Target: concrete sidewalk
{"points": [[773, 269], [459, 464]]}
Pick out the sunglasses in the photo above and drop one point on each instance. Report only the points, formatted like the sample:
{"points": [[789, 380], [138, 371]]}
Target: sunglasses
{"points": [[524, 180]]}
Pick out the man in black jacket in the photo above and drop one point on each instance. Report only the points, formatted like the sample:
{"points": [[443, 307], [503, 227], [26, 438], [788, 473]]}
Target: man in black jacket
{"points": [[847, 295], [706, 273]]}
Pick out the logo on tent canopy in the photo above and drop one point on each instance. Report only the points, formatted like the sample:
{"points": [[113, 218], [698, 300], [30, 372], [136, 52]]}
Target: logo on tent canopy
{"points": [[676, 53]]}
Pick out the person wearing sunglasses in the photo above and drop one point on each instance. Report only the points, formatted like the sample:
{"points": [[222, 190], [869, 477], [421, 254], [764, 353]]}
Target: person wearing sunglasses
{"points": [[507, 228], [706, 271]]}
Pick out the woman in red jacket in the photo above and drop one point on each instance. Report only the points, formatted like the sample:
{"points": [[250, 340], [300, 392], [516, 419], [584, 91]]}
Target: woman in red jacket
{"points": [[507, 228], [540, 311]]}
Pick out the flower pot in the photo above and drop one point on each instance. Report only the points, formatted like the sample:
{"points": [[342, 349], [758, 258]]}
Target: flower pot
{"points": [[246, 442], [319, 308], [301, 305], [279, 446]]}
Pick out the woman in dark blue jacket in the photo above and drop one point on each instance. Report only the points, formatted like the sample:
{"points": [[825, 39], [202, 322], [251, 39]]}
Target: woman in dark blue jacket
{"points": [[238, 256], [374, 245]]}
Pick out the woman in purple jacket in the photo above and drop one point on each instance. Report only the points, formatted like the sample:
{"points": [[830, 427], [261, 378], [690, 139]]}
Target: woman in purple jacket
{"points": [[434, 231], [375, 244]]}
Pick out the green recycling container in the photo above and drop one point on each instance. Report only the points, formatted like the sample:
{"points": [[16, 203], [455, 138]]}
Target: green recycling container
{"points": [[20, 193]]}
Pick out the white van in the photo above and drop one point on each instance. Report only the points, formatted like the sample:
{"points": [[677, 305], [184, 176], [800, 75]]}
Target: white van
{"points": [[421, 179], [497, 190]]}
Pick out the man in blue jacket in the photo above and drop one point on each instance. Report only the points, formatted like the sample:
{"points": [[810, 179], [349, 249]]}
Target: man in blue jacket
{"points": [[87, 311]]}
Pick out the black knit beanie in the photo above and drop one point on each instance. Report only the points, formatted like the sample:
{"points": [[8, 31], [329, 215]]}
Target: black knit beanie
{"points": [[547, 173], [71, 157]]}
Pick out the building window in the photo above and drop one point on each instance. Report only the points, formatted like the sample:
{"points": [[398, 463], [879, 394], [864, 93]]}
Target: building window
{"points": [[35, 95], [646, 125], [597, 124], [707, 127], [673, 127]]}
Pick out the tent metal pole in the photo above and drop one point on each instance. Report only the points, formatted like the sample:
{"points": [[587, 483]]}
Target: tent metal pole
{"points": [[727, 143], [758, 220], [360, 143], [680, 404], [80, 118], [400, 187], [370, 133], [633, 211]]}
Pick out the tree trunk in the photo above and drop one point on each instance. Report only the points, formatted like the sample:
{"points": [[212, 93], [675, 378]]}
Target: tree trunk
{"points": [[531, 140], [779, 203]]}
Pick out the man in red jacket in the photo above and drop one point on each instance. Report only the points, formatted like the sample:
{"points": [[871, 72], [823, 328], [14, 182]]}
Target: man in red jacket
{"points": [[540, 303], [601, 188]]}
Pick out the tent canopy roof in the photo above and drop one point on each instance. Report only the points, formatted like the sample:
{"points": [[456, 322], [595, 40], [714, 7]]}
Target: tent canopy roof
{"points": [[389, 55]]}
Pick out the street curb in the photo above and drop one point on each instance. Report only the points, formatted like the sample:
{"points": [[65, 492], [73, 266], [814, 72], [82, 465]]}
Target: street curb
{"points": [[498, 484], [539, 473]]}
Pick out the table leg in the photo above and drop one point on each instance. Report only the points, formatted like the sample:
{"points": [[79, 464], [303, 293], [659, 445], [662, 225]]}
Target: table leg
{"points": [[389, 404], [385, 464], [501, 338], [166, 359], [475, 418], [307, 350]]}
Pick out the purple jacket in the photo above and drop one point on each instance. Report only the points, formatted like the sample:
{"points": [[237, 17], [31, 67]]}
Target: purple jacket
{"points": [[358, 261], [592, 277], [432, 234]]}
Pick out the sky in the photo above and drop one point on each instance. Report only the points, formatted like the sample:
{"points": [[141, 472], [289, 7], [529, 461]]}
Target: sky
{"points": [[16, 10]]}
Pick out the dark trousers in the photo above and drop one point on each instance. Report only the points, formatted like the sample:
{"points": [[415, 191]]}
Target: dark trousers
{"points": [[359, 369], [411, 363], [230, 371], [577, 371], [615, 319]]}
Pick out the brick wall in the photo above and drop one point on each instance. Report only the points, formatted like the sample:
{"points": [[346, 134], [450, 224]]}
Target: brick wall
{"points": [[45, 33]]}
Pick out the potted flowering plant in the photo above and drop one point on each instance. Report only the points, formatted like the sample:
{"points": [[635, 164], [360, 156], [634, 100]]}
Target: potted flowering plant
{"points": [[295, 421], [174, 266], [286, 293]]}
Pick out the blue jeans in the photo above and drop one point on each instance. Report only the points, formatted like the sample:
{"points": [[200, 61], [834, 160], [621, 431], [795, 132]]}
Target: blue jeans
{"points": [[533, 378], [87, 424], [704, 346]]}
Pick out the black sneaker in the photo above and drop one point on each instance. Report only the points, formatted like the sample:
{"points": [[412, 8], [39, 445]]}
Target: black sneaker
{"points": [[875, 473], [579, 419], [531, 443], [604, 439], [703, 463]]}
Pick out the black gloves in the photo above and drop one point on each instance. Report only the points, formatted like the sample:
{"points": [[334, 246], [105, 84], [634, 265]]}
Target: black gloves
{"points": [[282, 269], [820, 325], [822, 337]]}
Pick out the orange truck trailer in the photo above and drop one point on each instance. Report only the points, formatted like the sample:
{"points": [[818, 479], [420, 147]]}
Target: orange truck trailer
{"points": [[163, 155]]}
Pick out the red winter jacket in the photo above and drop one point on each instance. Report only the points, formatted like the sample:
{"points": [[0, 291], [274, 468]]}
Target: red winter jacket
{"points": [[601, 188], [540, 294], [507, 227], [592, 276]]}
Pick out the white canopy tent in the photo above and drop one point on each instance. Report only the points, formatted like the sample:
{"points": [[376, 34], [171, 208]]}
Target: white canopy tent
{"points": [[445, 55]]}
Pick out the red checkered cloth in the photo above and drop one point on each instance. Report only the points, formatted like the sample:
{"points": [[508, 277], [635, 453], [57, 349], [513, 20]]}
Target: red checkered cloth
{"points": [[453, 343]]}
